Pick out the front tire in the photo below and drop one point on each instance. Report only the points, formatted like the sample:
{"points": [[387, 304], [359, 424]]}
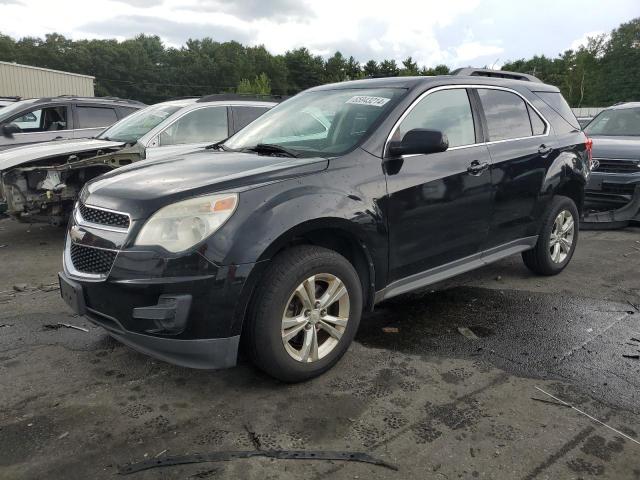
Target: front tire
{"points": [[305, 314], [557, 240]]}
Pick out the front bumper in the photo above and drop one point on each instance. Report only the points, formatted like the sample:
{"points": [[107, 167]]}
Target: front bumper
{"points": [[182, 309], [610, 189]]}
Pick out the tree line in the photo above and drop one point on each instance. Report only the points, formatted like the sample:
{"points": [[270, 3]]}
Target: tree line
{"points": [[604, 71]]}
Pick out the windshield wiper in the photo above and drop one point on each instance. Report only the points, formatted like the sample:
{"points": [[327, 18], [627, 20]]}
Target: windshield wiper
{"points": [[273, 148]]}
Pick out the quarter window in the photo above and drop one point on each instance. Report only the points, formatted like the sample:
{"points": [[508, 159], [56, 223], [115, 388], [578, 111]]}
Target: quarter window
{"points": [[198, 126], [245, 115], [446, 110], [506, 114], [537, 124], [93, 117]]}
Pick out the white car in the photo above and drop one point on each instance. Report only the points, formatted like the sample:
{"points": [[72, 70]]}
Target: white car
{"points": [[41, 182]]}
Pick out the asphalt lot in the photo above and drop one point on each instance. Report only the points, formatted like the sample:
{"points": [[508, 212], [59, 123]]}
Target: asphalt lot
{"points": [[412, 390]]}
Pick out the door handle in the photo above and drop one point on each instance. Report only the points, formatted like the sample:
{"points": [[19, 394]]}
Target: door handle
{"points": [[476, 168], [544, 150]]}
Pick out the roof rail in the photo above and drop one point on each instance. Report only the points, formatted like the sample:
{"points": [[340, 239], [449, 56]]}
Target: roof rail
{"points": [[111, 99], [240, 96], [485, 72]]}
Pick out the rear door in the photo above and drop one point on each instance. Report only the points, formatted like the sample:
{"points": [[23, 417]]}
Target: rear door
{"points": [[90, 120], [439, 205], [521, 148]]}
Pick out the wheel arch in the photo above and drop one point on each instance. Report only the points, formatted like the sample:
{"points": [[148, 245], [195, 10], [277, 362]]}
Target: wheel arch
{"points": [[337, 234]]}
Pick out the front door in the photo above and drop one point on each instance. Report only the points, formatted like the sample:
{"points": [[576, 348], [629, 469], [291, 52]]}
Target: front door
{"points": [[439, 205]]}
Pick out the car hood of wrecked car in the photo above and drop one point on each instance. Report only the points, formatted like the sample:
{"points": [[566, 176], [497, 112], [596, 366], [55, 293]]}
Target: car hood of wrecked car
{"points": [[18, 156]]}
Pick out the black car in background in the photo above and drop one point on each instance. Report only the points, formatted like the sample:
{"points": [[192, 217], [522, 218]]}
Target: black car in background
{"points": [[285, 233], [616, 153]]}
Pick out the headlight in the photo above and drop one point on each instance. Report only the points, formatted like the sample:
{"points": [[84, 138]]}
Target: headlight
{"points": [[181, 225]]}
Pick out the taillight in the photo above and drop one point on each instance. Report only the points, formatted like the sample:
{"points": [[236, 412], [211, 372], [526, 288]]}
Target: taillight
{"points": [[589, 145]]}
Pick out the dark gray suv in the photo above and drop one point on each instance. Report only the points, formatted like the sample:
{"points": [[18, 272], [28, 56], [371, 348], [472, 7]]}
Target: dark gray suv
{"points": [[616, 154], [56, 118]]}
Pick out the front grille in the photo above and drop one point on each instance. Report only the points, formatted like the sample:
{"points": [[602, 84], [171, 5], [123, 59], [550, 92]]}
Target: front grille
{"points": [[103, 217], [617, 166], [91, 260]]}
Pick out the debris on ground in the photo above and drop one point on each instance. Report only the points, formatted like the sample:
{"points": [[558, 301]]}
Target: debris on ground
{"points": [[49, 287], [390, 329], [5, 325], [468, 333], [57, 326], [549, 402], [65, 434], [589, 416], [633, 355], [3, 246], [20, 287], [224, 456]]}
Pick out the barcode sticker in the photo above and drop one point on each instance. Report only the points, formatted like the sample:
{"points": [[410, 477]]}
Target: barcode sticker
{"points": [[367, 100]]}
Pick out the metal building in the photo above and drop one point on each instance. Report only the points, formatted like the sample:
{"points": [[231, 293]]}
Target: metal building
{"points": [[33, 82]]}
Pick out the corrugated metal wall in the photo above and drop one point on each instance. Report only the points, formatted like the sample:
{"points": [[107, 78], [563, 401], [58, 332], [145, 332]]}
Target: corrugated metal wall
{"points": [[31, 82]]}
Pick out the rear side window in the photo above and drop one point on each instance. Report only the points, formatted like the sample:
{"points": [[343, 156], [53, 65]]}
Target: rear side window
{"points": [[92, 117], [243, 116], [448, 111], [506, 114]]}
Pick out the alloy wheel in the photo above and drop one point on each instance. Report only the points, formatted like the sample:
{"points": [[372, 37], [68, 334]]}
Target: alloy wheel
{"points": [[315, 317], [562, 233]]}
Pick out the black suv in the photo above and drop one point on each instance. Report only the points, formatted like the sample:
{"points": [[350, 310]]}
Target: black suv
{"points": [[286, 232], [54, 118]]}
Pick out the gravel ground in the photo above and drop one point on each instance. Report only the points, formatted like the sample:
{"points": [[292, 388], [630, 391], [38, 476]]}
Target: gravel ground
{"points": [[412, 390]]}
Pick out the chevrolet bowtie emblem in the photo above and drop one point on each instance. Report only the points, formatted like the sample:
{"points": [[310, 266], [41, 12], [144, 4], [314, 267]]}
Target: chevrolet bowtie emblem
{"points": [[76, 234]]}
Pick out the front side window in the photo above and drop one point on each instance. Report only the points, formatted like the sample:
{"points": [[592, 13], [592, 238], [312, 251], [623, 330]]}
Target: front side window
{"points": [[48, 119], [622, 122], [136, 125], [506, 114], [446, 110], [92, 117], [319, 123], [198, 126]]}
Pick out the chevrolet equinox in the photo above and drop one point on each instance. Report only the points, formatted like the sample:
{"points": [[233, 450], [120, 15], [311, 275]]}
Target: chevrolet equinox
{"points": [[338, 198]]}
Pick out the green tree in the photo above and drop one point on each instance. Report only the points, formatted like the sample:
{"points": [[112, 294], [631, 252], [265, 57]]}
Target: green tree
{"points": [[409, 68], [389, 68], [371, 69]]}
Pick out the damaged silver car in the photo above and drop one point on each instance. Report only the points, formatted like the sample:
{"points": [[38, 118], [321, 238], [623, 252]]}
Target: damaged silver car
{"points": [[39, 183]]}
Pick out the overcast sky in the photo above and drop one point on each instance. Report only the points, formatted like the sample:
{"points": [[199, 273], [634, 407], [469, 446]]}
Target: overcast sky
{"points": [[454, 32]]}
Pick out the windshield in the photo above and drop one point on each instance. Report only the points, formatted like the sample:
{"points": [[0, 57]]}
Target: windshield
{"points": [[320, 123], [130, 129], [9, 110], [622, 122]]}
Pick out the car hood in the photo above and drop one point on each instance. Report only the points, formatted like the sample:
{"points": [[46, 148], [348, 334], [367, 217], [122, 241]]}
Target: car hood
{"points": [[18, 156], [143, 187], [616, 147]]}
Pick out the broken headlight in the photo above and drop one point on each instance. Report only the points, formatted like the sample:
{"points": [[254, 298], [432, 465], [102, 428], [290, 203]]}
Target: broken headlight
{"points": [[184, 224]]}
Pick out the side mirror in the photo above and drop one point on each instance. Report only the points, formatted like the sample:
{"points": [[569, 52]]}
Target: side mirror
{"points": [[9, 129], [419, 141]]}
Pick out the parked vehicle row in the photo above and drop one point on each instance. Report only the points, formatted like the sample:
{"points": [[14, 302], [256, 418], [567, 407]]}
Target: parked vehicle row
{"points": [[41, 182], [334, 200]]}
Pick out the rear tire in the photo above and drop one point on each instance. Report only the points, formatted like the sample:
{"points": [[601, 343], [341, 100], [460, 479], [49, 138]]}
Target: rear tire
{"points": [[305, 313], [557, 239]]}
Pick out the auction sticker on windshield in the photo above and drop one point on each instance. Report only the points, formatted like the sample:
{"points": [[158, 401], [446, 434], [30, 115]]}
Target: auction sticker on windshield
{"points": [[368, 100]]}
